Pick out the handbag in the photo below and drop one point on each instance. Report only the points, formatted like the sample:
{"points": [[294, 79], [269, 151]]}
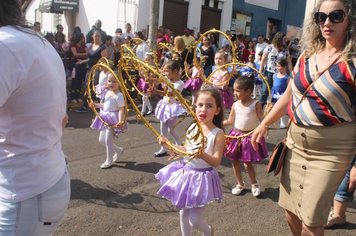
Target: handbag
{"points": [[279, 152], [276, 159]]}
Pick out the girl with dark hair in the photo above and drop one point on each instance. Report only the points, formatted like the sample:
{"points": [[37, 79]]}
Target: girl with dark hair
{"points": [[191, 184], [245, 115]]}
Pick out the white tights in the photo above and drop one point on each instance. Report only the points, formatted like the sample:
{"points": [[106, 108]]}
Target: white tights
{"points": [[168, 127], [146, 103], [193, 218], [106, 138]]}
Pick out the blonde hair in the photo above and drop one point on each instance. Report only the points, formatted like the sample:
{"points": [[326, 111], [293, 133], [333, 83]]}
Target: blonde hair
{"points": [[179, 44], [312, 39]]}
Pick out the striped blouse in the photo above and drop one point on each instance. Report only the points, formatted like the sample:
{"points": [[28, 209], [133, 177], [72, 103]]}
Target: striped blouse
{"points": [[332, 98]]}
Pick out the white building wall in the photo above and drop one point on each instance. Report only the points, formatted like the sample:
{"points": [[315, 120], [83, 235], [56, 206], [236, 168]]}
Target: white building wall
{"points": [[46, 19], [194, 15]]}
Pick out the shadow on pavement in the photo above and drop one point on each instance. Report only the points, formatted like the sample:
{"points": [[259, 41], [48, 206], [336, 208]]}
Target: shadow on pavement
{"points": [[270, 193], [151, 167]]}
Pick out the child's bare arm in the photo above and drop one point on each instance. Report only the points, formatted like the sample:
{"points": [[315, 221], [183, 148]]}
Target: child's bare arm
{"points": [[231, 118], [259, 111]]}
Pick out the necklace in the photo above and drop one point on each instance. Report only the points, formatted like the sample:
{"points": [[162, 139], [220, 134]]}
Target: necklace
{"points": [[328, 58]]}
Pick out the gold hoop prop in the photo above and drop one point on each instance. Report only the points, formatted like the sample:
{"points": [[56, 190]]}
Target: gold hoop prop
{"points": [[207, 80], [198, 129], [90, 86], [233, 47]]}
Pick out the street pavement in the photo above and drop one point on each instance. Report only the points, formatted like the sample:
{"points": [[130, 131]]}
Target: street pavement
{"points": [[122, 200]]}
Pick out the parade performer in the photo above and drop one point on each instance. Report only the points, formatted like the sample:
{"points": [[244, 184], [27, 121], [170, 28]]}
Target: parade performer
{"points": [[190, 184], [220, 78], [113, 113], [194, 83], [168, 109], [245, 115]]}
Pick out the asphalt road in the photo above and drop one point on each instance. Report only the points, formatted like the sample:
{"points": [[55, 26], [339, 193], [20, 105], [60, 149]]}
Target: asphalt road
{"points": [[122, 200]]}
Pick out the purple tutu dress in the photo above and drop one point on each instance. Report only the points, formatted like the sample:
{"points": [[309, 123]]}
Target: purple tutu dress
{"points": [[142, 85], [109, 117], [194, 83], [241, 149], [228, 98], [109, 113], [191, 184]]}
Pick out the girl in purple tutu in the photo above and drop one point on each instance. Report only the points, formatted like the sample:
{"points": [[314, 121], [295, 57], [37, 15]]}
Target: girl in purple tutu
{"points": [[245, 116], [220, 78], [168, 108], [112, 111], [191, 184], [194, 83], [144, 85]]}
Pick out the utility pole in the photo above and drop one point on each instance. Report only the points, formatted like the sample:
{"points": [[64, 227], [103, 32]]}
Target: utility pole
{"points": [[153, 23]]}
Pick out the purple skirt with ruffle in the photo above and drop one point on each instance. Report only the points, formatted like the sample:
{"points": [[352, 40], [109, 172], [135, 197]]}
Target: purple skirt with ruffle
{"points": [[228, 98], [193, 84], [242, 150], [187, 187], [167, 110], [109, 117], [142, 85]]}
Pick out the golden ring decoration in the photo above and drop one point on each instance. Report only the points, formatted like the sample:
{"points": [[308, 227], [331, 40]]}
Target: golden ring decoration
{"points": [[194, 127], [90, 87], [233, 48], [207, 81]]}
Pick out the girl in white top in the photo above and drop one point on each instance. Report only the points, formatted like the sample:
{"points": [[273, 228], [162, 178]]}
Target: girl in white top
{"points": [[245, 114], [113, 113], [190, 184], [168, 108]]}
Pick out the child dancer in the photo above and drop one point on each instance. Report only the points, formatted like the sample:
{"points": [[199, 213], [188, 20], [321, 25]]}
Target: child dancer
{"points": [[245, 116], [280, 82], [194, 83], [220, 78], [168, 109], [113, 113], [144, 85], [190, 184]]}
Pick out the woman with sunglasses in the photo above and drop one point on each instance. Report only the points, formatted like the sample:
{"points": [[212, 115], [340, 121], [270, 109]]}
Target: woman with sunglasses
{"points": [[321, 140]]}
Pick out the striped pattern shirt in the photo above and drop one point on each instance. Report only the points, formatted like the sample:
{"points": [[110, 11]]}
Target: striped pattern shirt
{"points": [[331, 100]]}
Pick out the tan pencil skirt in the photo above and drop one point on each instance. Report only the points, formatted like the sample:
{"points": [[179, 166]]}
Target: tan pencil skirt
{"points": [[315, 165]]}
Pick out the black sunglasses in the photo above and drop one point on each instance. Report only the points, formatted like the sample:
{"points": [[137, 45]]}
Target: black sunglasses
{"points": [[336, 16]]}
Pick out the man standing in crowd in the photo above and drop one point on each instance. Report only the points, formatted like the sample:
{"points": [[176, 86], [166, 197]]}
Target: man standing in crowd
{"points": [[95, 27]]}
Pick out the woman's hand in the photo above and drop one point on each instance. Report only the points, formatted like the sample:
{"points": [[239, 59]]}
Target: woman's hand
{"points": [[257, 135]]}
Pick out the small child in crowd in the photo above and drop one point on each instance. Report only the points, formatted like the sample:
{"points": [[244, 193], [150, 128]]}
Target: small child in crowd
{"points": [[280, 82], [144, 84], [194, 83], [191, 184], [220, 78], [258, 80], [245, 116], [168, 108], [113, 114]]}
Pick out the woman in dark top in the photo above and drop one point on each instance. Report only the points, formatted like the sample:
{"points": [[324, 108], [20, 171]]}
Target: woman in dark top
{"points": [[95, 51], [207, 56], [78, 54]]}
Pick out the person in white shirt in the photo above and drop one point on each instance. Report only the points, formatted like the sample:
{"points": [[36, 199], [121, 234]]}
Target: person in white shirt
{"points": [[142, 47], [34, 183], [260, 46], [127, 32]]}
